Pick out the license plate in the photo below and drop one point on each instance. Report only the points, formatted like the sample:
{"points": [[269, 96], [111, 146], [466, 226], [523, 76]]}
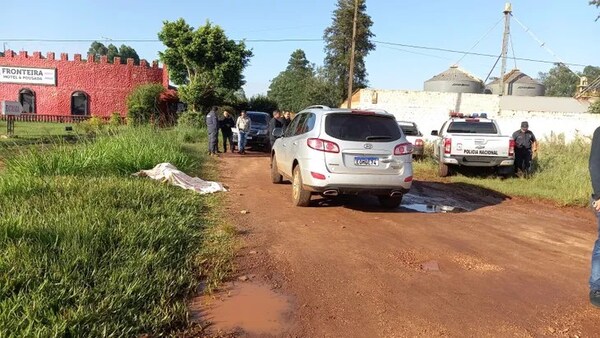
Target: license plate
{"points": [[366, 161], [248, 137]]}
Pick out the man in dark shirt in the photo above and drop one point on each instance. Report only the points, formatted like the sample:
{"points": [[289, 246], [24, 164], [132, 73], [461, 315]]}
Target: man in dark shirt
{"points": [[226, 124], [594, 167], [287, 118], [274, 123], [525, 147]]}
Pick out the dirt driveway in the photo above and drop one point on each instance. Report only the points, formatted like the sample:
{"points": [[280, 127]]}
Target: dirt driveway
{"points": [[504, 267]]}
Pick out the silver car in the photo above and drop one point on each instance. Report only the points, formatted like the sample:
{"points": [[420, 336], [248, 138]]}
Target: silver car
{"points": [[334, 151]]}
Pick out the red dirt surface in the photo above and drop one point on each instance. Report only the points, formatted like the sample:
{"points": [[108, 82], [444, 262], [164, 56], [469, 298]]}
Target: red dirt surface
{"points": [[506, 267]]}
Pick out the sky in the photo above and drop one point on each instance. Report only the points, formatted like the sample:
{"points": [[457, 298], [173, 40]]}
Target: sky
{"points": [[566, 27]]}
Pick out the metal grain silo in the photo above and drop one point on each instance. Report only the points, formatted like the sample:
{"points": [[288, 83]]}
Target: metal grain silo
{"points": [[517, 83], [454, 80]]}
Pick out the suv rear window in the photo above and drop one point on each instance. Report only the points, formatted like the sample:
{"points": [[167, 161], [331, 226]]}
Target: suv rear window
{"points": [[409, 130], [358, 127], [472, 128], [258, 118]]}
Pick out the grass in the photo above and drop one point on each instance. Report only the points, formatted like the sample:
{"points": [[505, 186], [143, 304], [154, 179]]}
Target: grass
{"points": [[101, 253], [561, 174], [36, 130]]}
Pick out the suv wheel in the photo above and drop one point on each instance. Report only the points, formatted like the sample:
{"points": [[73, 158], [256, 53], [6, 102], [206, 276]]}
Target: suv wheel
{"points": [[390, 202], [275, 175], [300, 196], [443, 170]]}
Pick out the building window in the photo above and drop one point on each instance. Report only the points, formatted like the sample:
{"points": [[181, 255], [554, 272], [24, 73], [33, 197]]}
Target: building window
{"points": [[79, 103], [27, 100]]}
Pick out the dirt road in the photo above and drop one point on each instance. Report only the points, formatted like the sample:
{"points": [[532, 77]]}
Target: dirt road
{"points": [[504, 267]]}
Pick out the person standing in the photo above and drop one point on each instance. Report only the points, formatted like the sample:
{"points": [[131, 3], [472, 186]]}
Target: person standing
{"points": [[594, 167], [243, 124], [287, 118], [212, 125], [276, 122], [226, 124], [525, 147]]}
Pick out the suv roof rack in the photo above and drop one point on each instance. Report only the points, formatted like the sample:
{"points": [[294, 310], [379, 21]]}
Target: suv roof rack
{"points": [[318, 106]]}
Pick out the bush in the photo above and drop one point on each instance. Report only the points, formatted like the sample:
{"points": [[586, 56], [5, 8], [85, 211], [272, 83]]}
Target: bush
{"points": [[262, 103], [92, 126], [115, 119], [595, 107], [143, 104], [191, 119]]}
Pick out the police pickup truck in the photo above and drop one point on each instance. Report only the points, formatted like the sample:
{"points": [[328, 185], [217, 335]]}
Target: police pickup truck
{"points": [[473, 141]]}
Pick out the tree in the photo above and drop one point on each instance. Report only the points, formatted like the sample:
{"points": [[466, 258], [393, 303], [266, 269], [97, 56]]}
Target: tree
{"points": [[126, 52], [111, 51], [143, 103], [204, 62], [597, 4], [298, 86], [591, 72], [98, 49], [559, 81], [262, 103], [290, 88], [338, 40]]}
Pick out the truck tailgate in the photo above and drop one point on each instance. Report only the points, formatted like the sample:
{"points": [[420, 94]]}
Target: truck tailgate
{"points": [[480, 145]]}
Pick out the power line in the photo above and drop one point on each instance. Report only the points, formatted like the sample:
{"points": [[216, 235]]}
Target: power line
{"points": [[439, 49], [470, 53]]}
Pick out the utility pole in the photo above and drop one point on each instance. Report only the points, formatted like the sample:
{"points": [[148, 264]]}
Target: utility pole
{"points": [[351, 71], [507, 14]]}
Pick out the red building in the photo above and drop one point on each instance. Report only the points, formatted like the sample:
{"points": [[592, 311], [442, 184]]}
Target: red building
{"points": [[50, 86]]}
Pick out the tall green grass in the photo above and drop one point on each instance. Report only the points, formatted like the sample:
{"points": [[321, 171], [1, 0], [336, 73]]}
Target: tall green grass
{"points": [[121, 154], [561, 174], [87, 250]]}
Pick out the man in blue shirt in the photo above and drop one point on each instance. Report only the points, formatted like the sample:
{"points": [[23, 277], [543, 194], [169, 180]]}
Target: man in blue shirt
{"points": [[594, 167]]}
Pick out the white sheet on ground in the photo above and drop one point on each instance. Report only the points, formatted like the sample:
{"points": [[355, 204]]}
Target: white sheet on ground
{"points": [[166, 172]]}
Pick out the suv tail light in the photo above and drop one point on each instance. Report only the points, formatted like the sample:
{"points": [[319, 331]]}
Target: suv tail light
{"points": [[447, 145], [418, 142], [511, 147], [403, 149], [322, 145]]}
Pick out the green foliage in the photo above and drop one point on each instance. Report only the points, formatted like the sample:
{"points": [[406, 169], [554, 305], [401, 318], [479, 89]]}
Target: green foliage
{"points": [[561, 81], [338, 40], [120, 154], [299, 86], [594, 107], [560, 173], [142, 104], [203, 62], [191, 119], [597, 4], [115, 119], [262, 103], [116, 256], [111, 51]]}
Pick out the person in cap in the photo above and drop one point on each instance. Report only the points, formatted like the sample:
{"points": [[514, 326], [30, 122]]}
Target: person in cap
{"points": [[525, 148], [594, 168]]}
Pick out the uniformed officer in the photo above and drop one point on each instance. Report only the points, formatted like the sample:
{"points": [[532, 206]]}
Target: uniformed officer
{"points": [[525, 147], [212, 124]]}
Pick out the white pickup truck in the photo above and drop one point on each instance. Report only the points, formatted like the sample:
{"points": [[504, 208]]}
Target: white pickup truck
{"points": [[473, 141]]}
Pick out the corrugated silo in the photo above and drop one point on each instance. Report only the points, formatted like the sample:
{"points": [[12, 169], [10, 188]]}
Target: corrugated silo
{"points": [[517, 83], [454, 80]]}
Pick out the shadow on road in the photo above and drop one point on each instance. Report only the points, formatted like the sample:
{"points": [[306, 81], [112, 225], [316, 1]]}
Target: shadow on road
{"points": [[424, 197]]}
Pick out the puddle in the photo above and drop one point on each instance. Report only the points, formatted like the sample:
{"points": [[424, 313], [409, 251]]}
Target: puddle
{"points": [[254, 308], [431, 208]]}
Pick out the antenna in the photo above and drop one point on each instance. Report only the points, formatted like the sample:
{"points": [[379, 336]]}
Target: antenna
{"points": [[507, 13]]}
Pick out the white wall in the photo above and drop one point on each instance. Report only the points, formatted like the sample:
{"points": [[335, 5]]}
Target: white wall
{"points": [[430, 109]]}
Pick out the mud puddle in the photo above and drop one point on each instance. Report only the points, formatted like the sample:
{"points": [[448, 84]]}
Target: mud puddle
{"points": [[432, 208], [253, 308], [430, 204]]}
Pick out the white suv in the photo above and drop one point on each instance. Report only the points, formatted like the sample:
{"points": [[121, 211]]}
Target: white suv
{"points": [[334, 151]]}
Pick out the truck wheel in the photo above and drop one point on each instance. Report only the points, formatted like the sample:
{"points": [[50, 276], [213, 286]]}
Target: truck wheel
{"points": [[275, 175], [300, 196], [443, 170], [390, 202]]}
